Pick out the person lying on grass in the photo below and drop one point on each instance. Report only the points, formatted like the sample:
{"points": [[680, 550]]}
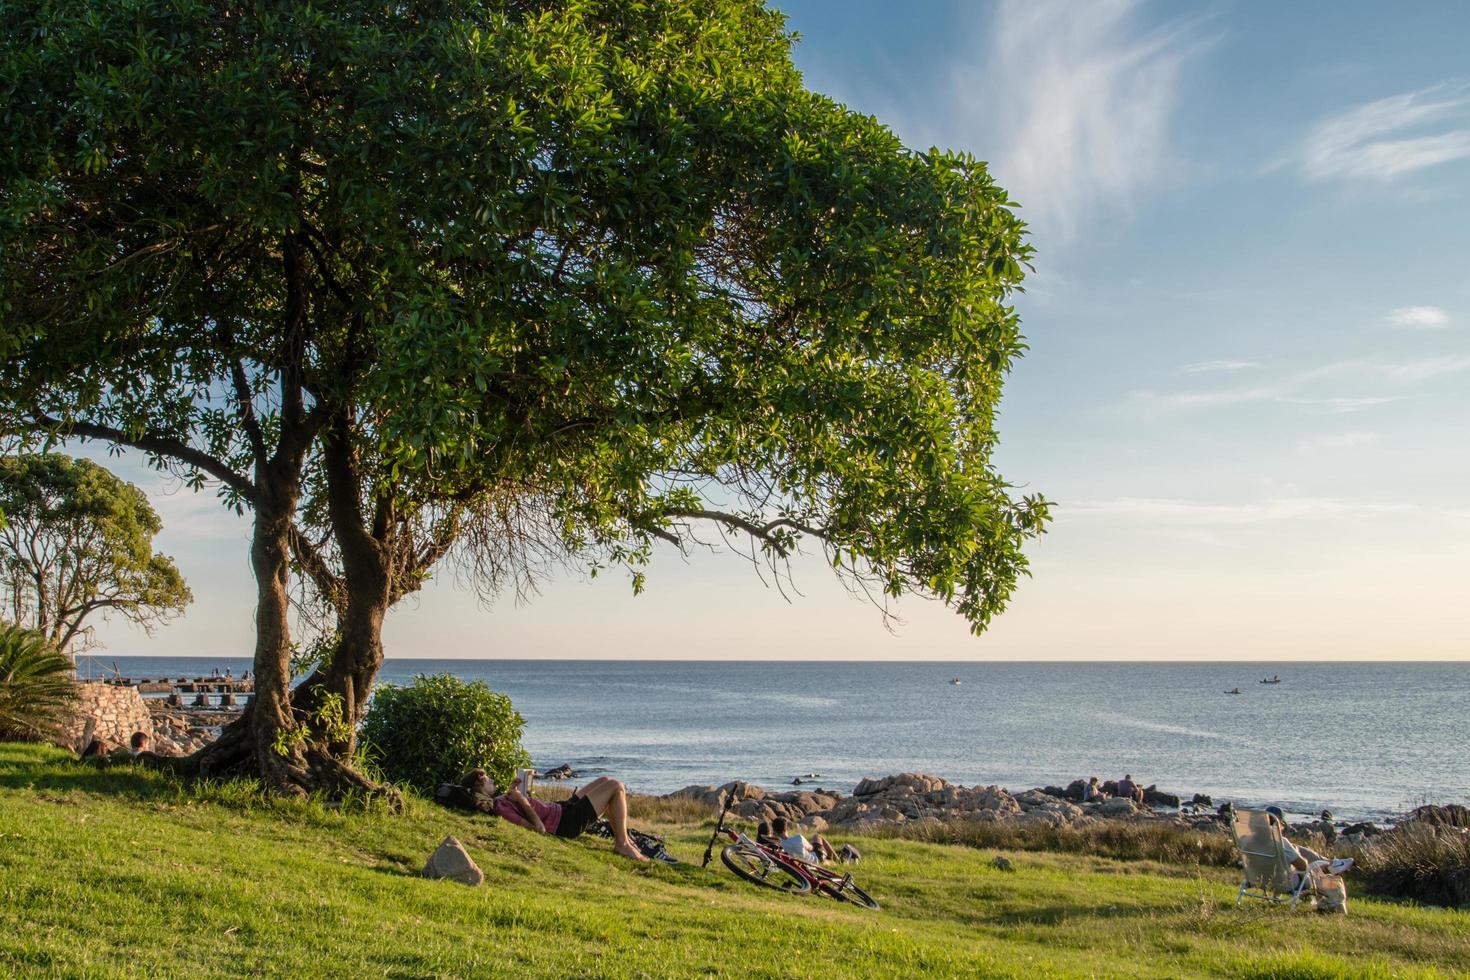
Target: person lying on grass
{"points": [[604, 796], [814, 851]]}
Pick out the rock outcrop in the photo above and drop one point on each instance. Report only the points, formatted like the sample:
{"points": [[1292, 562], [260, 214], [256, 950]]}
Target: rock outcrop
{"points": [[107, 712], [910, 796], [1445, 815]]}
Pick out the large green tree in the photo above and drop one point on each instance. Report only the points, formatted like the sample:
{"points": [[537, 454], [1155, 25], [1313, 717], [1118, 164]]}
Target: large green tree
{"points": [[78, 541], [517, 282]]}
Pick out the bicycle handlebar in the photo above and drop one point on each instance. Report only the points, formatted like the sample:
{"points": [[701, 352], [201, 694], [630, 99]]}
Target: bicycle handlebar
{"points": [[709, 848]]}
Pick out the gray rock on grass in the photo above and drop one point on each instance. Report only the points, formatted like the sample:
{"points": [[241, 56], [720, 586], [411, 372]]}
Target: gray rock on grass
{"points": [[452, 861]]}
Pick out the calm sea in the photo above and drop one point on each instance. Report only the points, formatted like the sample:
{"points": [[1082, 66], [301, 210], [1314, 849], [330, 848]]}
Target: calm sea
{"points": [[1365, 740]]}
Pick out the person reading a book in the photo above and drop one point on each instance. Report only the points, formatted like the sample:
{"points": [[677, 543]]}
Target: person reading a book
{"points": [[602, 797]]}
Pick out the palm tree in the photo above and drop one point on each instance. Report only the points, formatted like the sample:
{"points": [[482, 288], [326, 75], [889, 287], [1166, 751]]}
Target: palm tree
{"points": [[36, 690]]}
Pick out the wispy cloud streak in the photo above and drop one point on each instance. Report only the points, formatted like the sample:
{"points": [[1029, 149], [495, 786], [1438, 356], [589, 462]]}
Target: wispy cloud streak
{"points": [[1430, 317], [1080, 100], [1212, 367], [1338, 441], [1174, 511], [1390, 137], [1298, 388]]}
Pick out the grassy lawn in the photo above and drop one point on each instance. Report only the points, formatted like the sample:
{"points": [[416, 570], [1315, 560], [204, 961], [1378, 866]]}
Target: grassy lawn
{"points": [[126, 872]]}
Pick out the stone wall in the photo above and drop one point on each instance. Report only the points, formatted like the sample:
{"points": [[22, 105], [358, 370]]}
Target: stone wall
{"points": [[106, 711]]}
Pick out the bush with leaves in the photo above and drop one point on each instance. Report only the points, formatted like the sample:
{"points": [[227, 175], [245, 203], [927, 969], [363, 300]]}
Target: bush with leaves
{"points": [[436, 728], [36, 690]]}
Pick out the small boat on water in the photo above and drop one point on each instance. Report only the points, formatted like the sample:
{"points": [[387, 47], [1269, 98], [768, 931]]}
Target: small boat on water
{"points": [[1233, 690], [955, 680], [1273, 679]]}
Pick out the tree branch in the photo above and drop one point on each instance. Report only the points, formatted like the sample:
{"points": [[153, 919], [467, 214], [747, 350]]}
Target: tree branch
{"points": [[761, 531], [162, 445], [311, 561]]}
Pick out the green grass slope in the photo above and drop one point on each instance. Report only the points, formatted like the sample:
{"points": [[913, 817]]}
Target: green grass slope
{"points": [[123, 871]]}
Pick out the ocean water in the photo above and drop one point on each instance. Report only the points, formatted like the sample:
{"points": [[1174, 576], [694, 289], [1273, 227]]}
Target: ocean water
{"points": [[1364, 740]]}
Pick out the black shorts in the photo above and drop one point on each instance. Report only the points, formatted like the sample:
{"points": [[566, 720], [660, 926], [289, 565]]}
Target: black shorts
{"points": [[577, 814]]}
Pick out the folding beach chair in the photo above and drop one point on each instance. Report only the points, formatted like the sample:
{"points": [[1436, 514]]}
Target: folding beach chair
{"points": [[1268, 873]]}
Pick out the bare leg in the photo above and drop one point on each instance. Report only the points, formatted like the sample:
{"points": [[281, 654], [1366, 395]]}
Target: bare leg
{"points": [[1309, 854], [594, 785], [610, 799]]}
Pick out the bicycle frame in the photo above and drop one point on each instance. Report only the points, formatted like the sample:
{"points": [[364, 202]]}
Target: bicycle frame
{"points": [[817, 877]]}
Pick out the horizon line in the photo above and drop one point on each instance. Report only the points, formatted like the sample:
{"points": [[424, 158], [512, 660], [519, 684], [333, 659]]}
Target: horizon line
{"points": [[780, 660]]}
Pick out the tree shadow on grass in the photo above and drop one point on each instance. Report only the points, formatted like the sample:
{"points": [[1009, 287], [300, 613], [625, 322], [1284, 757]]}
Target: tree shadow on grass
{"points": [[45, 771], [60, 772]]}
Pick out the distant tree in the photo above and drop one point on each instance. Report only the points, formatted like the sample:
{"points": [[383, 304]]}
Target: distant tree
{"points": [[516, 282], [78, 541]]}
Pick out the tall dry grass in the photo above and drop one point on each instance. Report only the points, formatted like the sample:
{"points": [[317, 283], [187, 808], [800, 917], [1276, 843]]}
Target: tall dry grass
{"points": [[1417, 860], [1165, 842]]}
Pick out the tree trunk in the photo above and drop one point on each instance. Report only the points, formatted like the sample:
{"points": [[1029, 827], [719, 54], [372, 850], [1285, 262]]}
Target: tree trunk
{"points": [[260, 742], [298, 739], [354, 665], [284, 735], [367, 573], [272, 726]]}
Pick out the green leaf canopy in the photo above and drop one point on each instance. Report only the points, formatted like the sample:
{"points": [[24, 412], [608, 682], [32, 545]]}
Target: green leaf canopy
{"points": [[610, 255]]}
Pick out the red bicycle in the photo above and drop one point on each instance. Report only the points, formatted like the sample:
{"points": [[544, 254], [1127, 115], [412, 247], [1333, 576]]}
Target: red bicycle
{"points": [[774, 868]]}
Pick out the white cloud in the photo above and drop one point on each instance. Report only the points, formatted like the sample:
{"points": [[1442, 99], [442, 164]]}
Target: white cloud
{"points": [[1389, 137], [1079, 99], [1336, 441], [1208, 399], [1210, 367], [1174, 511], [1343, 405], [1419, 316], [1299, 388], [1425, 368]]}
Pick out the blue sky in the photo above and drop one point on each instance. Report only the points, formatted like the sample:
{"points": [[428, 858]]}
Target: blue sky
{"points": [[1250, 342]]}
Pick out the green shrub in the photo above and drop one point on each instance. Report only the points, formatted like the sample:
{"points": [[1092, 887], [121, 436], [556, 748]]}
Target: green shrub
{"points": [[36, 690], [435, 729]]}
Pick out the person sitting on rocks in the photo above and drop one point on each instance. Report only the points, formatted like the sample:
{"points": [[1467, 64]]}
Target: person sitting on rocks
{"points": [[814, 851], [568, 819], [1300, 856], [1093, 792], [1129, 790]]}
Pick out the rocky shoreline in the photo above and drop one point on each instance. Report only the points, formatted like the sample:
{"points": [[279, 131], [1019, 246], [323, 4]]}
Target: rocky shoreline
{"points": [[907, 798], [179, 731]]}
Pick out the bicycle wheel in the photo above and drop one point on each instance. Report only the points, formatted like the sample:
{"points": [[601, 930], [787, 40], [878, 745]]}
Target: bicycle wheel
{"points": [[764, 870], [850, 892], [844, 889]]}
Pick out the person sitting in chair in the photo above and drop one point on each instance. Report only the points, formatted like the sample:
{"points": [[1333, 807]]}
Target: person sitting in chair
{"points": [[604, 796], [1300, 856]]}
